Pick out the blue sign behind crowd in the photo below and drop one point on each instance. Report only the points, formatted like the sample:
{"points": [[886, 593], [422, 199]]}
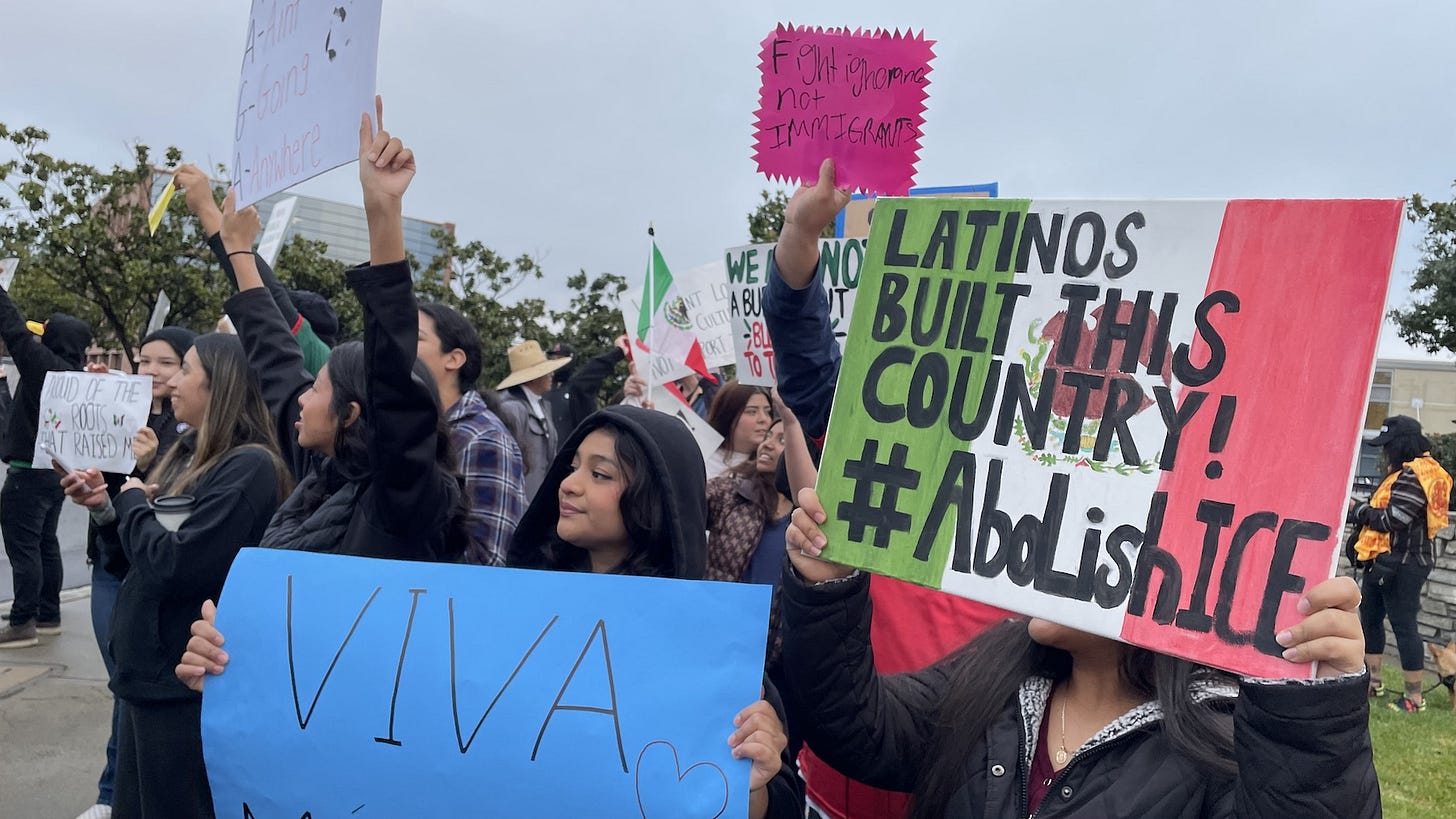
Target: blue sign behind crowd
{"points": [[370, 688]]}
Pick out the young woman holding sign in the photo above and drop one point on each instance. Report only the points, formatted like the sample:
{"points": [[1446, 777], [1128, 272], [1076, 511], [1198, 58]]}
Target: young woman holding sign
{"points": [[227, 464], [1034, 718], [624, 496]]}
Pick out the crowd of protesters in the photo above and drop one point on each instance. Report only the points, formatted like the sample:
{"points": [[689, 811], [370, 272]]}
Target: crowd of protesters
{"points": [[388, 446]]}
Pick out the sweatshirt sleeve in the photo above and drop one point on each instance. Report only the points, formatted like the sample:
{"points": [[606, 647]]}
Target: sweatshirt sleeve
{"points": [[32, 358], [274, 287], [227, 504], [275, 357], [876, 728], [1304, 750], [587, 381], [402, 411], [806, 356]]}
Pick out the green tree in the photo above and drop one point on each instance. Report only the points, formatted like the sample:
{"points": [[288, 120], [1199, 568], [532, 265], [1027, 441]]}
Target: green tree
{"points": [[592, 321], [1430, 320], [81, 234], [765, 221], [476, 280]]}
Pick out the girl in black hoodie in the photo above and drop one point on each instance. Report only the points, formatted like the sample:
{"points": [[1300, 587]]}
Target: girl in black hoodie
{"points": [[625, 495]]}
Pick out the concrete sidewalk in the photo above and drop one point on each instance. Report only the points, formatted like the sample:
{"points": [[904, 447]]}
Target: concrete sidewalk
{"points": [[55, 715]]}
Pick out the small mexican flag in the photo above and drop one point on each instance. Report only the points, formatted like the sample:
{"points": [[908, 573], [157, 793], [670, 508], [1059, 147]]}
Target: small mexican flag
{"points": [[664, 325]]}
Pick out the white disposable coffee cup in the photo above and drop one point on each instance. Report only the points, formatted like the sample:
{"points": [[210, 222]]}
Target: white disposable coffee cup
{"points": [[172, 511]]}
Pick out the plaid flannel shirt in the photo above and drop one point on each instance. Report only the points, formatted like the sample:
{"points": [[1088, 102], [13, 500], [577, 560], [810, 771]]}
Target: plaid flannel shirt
{"points": [[490, 463]]}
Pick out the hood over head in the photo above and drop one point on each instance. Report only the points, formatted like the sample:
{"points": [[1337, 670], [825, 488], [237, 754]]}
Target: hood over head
{"points": [[67, 337], [675, 467]]}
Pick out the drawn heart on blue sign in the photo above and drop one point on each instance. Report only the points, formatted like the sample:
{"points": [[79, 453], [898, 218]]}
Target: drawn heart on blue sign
{"points": [[666, 791]]}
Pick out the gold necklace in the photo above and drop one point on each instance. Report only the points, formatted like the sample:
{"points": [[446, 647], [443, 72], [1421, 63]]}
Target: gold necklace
{"points": [[1060, 758]]}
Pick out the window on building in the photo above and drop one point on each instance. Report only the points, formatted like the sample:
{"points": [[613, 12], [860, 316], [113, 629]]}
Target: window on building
{"points": [[1379, 407]]}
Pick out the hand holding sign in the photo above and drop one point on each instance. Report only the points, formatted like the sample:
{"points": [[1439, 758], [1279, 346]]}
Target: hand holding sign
{"points": [[810, 210], [198, 189], [240, 228], [806, 541], [204, 653], [759, 737], [1330, 633]]}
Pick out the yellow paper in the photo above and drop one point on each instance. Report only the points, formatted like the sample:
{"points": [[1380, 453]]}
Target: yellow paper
{"points": [[155, 217]]}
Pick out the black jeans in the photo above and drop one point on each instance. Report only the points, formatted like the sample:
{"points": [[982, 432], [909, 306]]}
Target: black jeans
{"points": [[1399, 597], [30, 511], [159, 770]]}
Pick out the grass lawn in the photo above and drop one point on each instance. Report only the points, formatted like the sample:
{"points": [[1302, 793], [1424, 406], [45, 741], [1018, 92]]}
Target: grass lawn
{"points": [[1415, 754]]}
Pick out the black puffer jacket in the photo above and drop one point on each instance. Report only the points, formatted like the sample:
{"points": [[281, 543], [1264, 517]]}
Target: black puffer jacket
{"points": [[1303, 750]]}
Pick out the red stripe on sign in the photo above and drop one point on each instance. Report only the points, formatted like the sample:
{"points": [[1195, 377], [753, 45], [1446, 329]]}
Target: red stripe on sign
{"points": [[1310, 280]]}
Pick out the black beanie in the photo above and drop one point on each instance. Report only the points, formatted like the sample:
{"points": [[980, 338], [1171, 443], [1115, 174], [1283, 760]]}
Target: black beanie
{"points": [[179, 338], [320, 314]]}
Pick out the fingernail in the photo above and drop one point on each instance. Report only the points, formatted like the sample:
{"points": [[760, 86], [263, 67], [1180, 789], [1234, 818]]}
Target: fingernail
{"points": [[821, 542], [1292, 655], [1303, 606], [224, 657], [1284, 637]]}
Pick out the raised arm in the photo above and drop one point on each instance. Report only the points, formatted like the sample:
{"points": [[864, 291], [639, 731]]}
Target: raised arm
{"points": [[796, 308], [273, 353], [32, 358], [198, 190], [403, 411]]}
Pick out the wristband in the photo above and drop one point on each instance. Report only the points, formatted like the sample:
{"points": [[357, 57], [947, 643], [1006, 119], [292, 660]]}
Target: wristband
{"points": [[239, 252]]}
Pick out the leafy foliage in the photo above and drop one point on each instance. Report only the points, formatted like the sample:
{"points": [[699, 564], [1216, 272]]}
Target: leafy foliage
{"points": [[1430, 321], [593, 321], [81, 235]]}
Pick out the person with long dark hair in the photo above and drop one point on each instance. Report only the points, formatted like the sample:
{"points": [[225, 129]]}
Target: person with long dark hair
{"points": [[366, 437], [1036, 718], [742, 415], [159, 357], [228, 465], [1396, 545], [625, 495]]}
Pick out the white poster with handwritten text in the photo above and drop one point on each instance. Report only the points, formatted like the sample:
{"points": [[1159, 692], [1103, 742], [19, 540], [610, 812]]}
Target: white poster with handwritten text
{"points": [[88, 420], [307, 75]]}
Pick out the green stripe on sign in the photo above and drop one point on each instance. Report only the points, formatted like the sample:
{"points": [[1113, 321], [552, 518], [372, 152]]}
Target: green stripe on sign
{"points": [[915, 366]]}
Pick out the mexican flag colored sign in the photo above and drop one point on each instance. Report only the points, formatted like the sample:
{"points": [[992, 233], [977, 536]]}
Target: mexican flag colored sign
{"points": [[1138, 419]]}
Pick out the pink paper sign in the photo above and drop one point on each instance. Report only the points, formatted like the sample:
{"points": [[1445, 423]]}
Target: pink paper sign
{"points": [[858, 97]]}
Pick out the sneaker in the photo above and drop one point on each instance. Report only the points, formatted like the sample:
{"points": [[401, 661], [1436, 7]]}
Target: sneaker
{"points": [[18, 636], [96, 812], [1405, 704], [46, 629]]}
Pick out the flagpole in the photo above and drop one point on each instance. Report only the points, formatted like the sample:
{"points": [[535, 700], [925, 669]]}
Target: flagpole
{"points": [[651, 302]]}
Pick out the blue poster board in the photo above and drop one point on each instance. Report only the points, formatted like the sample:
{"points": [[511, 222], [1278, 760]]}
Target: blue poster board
{"points": [[989, 189], [367, 689]]}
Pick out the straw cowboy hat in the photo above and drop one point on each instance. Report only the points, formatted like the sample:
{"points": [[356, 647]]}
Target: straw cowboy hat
{"points": [[528, 363]]}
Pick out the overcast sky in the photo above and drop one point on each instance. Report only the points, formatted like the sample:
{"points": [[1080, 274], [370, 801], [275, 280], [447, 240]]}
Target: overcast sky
{"points": [[560, 128]]}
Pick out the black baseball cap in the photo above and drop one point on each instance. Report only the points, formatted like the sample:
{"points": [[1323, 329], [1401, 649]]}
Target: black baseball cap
{"points": [[1394, 427]]}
